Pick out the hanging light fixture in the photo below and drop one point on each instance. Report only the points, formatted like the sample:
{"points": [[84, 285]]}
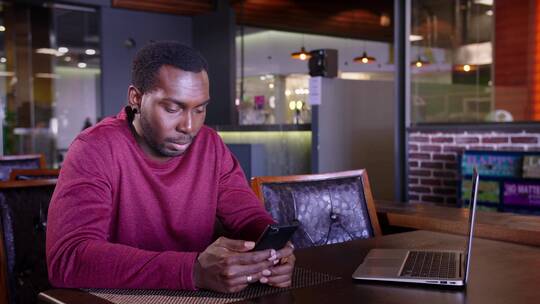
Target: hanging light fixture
{"points": [[302, 54], [419, 62], [364, 59]]}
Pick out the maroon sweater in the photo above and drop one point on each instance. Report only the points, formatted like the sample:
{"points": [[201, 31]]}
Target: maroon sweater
{"points": [[118, 219]]}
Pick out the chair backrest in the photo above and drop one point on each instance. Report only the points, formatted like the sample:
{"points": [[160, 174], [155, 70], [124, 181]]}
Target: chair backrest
{"points": [[330, 208], [27, 161], [31, 174], [23, 211]]}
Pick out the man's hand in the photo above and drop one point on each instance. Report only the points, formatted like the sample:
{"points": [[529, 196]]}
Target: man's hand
{"points": [[280, 275], [227, 266]]}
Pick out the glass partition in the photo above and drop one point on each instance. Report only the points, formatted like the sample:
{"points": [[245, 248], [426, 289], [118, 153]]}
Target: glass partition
{"points": [[50, 67]]}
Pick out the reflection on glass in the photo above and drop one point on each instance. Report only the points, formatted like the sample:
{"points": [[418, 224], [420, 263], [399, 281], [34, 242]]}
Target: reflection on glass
{"points": [[276, 86], [473, 61], [51, 73]]}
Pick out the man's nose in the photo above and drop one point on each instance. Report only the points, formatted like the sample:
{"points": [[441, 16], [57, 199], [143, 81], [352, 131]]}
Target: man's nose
{"points": [[185, 125]]}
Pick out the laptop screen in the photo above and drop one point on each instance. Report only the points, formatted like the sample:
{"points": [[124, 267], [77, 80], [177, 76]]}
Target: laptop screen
{"points": [[472, 216]]}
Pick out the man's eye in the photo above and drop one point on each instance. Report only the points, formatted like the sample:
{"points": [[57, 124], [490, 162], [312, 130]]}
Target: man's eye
{"points": [[200, 110], [171, 110]]}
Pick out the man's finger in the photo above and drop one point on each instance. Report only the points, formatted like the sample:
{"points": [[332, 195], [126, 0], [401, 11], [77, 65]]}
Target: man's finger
{"points": [[281, 270], [235, 245], [278, 280], [242, 270], [248, 258], [243, 279]]}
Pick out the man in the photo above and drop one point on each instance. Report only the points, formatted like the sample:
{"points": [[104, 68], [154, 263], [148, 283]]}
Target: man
{"points": [[138, 194]]}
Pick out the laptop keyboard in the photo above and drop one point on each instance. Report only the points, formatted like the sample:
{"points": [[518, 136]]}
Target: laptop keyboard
{"points": [[427, 264]]}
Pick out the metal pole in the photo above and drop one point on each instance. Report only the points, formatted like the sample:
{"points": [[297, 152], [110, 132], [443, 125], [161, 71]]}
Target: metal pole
{"points": [[402, 30]]}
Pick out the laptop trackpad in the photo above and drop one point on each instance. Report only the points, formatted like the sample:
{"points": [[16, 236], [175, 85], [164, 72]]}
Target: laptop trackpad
{"points": [[381, 262]]}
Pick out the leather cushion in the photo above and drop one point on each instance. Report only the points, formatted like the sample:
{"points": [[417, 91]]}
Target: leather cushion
{"points": [[329, 211]]}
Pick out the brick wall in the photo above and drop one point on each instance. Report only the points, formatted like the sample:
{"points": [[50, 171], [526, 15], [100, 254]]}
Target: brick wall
{"points": [[433, 158]]}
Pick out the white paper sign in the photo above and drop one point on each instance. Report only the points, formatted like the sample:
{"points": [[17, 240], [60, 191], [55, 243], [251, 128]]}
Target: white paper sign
{"points": [[315, 85]]}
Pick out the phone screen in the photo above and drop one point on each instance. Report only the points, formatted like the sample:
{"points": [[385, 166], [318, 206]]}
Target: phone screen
{"points": [[275, 237]]}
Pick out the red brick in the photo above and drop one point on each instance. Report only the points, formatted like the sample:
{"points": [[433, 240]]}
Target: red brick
{"points": [[495, 140], [413, 147], [413, 164], [420, 189], [444, 157], [444, 174], [421, 139], [430, 182], [419, 156], [482, 148], [420, 173], [431, 198], [524, 140], [442, 140], [467, 140], [413, 197], [413, 181], [451, 166], [430, 148], [458, 149], [444, 191], [431, 165], [512, 148]]}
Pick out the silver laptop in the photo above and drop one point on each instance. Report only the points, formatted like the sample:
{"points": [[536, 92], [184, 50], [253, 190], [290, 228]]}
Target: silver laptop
{"points": [[438, 267]]}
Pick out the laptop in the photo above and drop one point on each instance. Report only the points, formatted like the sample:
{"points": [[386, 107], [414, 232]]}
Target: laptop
{"points": [[437, 267]]}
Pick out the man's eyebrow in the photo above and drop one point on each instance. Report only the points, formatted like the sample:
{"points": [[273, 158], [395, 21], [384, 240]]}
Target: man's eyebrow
{"points": [[183, 104]]}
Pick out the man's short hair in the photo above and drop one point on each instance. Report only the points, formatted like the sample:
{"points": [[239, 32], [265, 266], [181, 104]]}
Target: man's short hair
{"points": [[153, 56]]}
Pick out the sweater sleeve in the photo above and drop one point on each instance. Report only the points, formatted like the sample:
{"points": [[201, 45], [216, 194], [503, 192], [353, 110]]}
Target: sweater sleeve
{"points": [[79, 251], [240, 211]]}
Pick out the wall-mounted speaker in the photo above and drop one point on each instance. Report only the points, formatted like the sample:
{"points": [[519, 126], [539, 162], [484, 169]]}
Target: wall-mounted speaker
{"points": [[323, 62]]}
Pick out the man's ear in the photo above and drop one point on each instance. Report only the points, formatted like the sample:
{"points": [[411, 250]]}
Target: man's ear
{"points": [[134, 97]]}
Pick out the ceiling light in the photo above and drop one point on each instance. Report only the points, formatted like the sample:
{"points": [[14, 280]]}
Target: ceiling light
{"points": [[385, 20], [364, 58], [3, 59], [288, 93], [271, 85], [419, 62], [67, 59], [489, 12], [292, 105], [47, 75], [48, 51], [414, 38], [81, 65], [2, 28], [484, 2], [299, 105], [90, 52], [63, 49], [302, 54]]}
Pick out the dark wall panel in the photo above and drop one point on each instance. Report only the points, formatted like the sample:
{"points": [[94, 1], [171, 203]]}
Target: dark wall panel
{"points": [[118, 25]]}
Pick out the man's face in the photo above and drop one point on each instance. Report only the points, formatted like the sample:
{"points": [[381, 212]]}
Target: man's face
{"points": [[172, 113]]}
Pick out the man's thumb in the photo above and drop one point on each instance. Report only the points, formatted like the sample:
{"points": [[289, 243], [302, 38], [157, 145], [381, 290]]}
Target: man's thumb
{"points": [[236, 245]]}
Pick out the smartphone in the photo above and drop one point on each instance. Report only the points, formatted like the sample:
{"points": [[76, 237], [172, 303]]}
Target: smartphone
{"points": [[275, 237]]}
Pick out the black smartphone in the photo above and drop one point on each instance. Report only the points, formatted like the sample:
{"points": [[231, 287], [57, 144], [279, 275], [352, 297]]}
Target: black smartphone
{"points": [[275, 237]]}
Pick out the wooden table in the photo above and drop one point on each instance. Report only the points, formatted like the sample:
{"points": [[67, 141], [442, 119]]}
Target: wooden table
{"points": [[503, 226], [501, 272]]}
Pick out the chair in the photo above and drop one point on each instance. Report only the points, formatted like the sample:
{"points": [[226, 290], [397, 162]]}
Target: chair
{"points": [[32, 174], [28, 161], [23, 211], [330, 208]]}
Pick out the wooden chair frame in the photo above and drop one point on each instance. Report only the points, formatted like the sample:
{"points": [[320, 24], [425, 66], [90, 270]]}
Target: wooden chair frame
{"points": [[32, 172], [41, 157], [258, 182]]}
